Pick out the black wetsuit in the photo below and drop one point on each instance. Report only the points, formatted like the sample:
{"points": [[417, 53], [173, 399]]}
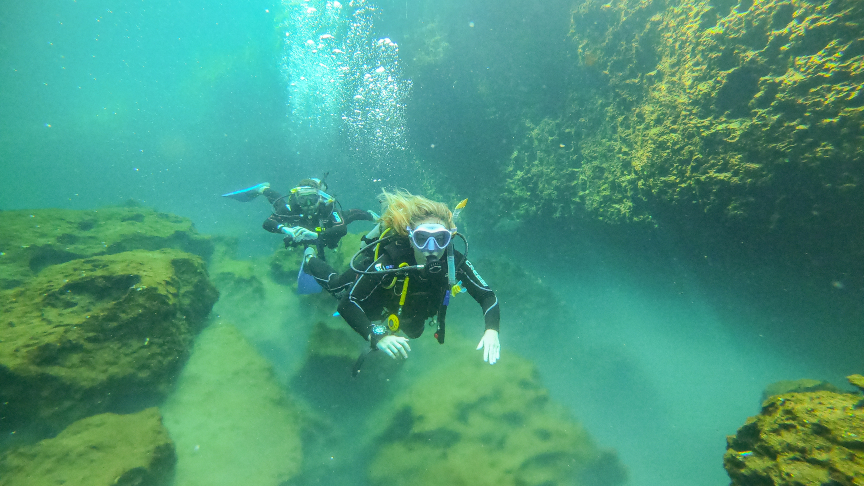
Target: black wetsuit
{"points": [[330, 223], [374, 297]]}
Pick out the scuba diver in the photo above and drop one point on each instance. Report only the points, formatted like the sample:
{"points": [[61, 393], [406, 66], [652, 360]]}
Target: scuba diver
{"points": [[407, 274], [308, 216]]}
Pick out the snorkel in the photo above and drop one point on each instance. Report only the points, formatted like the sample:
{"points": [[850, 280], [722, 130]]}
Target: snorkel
{"points": [[451, 260]]}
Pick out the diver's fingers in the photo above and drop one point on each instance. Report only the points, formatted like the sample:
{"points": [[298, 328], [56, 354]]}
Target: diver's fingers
{"points": [[480, 345], [403, 347]]}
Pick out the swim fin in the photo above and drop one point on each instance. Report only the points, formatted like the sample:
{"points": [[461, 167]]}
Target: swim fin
{"points": [[306, 284], [248, 194]]}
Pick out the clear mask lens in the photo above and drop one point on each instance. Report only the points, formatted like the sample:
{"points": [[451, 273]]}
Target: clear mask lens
{"points": [[431, 237]]}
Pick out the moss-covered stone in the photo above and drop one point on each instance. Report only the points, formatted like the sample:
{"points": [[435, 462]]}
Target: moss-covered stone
{"points": [[89, 334], [102, 450], [230, 418], [810, 438], [470, 423], [752, 115], [32, 240]]}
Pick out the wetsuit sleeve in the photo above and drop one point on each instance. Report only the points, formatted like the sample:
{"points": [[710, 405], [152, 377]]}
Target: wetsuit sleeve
{"points": [[363, 295], [275, 222], [356, 215], [477, 288]]}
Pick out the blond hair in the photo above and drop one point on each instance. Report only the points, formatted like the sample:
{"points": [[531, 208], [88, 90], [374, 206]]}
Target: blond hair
{"points": [[403, 209]]}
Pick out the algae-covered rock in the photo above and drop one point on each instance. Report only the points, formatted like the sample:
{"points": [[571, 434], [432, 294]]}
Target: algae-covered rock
{"points": [[87, 335], [34, 239], [102, 450], [812, 438], [470, 423], [231, 420], [749, 114]]}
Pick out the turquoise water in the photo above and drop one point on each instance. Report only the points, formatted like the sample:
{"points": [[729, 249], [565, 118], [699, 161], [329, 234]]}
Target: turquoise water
{"points": [[662, 353]]}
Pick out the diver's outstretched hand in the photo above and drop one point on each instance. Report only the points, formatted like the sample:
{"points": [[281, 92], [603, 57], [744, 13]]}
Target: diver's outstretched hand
{"points": [[393, 345], [490, 346]]}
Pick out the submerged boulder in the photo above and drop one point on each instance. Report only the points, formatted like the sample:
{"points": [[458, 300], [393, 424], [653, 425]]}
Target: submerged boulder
{"points": [[102, 450], [231, 419], [470, 423], [34, 239], [94, 334], [810, 438]]}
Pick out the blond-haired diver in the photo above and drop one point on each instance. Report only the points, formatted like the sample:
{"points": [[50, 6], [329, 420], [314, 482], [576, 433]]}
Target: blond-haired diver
{"points": [[407, 273]]}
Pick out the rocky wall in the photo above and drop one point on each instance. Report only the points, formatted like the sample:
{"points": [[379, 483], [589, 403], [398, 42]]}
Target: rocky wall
{"points": [[750, 113]]}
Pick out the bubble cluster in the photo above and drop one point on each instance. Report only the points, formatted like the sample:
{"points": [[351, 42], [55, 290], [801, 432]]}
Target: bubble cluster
{"points": [[345, 86]]}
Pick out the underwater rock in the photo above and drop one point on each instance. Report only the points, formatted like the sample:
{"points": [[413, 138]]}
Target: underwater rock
{"points": [[32, 240], [466, 422], [229, 417], [102, 450], [797, 386], [748, 114], [810, 438], [89, 335]]}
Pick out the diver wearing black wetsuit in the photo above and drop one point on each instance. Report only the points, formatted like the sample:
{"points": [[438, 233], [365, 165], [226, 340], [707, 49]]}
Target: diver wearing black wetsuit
{"points": [[374, 297], [321, 217]]}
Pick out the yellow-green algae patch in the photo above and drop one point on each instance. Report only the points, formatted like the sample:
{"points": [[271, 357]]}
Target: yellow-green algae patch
{"points": [[102, 450], [466, 422], [231, 421]]}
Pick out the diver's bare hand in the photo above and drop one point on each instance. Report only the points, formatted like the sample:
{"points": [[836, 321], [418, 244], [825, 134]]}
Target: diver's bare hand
{"points": [[393, 345]]}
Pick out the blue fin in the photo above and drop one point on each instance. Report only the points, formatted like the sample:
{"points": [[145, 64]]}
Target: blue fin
{"points": [[247, 194], [306, 284]]}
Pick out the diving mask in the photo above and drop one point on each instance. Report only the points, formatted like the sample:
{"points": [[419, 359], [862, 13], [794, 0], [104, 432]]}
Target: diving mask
{"points": [[430, 237], [308, 197]]}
